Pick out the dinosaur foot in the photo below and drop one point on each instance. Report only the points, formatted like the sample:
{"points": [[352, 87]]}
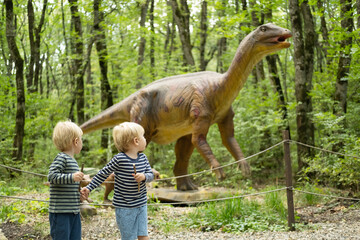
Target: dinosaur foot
{"points": [[185, 184], [219, 173], [245, 168]]}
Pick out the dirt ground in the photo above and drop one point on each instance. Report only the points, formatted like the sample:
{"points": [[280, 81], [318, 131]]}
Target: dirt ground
{"points": [[333, 221]]}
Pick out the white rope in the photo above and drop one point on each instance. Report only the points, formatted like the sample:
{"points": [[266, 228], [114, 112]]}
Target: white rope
{"points": [[157, 204], [326, 195], [19, 170], [221, 199], [226, 165], [164, 179], [208, 200], [321, 149], [23, 198]]}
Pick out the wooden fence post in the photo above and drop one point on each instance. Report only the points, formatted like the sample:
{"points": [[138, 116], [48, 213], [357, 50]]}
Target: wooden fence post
{"points": [[288, 179]]}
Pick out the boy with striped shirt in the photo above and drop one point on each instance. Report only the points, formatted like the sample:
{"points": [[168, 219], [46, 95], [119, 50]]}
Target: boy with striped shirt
{"points": [[130, 200], [64, 177]]}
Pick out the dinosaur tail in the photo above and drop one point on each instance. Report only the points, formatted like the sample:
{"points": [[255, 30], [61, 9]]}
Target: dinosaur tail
{"points": [[108, 118]]}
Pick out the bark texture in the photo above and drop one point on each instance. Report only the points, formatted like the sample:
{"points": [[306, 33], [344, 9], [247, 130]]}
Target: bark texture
{"points": [[303, 55], [20, 91]]}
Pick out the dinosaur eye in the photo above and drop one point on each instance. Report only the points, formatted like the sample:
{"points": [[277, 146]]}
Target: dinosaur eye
{"points": [[263, 29]]}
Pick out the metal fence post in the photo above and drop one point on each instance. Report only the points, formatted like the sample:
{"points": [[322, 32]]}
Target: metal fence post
{"points": [[288, 179]]}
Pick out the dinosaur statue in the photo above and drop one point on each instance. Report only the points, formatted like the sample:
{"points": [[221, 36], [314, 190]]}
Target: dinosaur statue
{"points": [[182, 108]]}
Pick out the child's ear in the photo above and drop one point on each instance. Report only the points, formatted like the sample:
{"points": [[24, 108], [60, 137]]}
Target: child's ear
{"points": [[136, 140]]}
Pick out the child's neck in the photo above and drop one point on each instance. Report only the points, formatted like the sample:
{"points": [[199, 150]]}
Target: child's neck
{"points": [[132, 153], [69, 152]]}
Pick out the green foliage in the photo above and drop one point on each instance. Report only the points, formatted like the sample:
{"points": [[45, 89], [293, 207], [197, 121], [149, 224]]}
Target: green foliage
{"points": [[237, 215], [8, 190], [308, 199], [21, 211], [275, 203]]}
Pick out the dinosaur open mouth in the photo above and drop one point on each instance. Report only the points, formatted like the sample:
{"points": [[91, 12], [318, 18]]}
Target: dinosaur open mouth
{"points": [[278, 39], [283, 38]]}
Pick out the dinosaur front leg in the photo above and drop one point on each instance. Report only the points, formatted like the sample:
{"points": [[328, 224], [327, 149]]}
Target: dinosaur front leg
{"points": [[199, 141], [109, 187], [226, 128], [183, 151]]}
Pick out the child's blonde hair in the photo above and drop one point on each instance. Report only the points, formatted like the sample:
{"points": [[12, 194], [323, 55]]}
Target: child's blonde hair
{"points": [[124, 134], [64, 133]]}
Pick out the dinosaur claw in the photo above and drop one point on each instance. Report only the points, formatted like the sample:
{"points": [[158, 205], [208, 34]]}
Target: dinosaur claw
{"points": [[185, 184], [245, 169]]}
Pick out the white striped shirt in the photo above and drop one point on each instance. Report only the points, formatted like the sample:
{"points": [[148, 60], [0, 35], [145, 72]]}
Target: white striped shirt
{"points": [[64, 192], [126, 194]]}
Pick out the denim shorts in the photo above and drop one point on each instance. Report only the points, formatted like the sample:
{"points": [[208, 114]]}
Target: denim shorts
{"points": [[132, 222]]}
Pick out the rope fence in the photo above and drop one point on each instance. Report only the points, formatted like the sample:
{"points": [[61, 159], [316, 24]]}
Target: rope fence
{"points": [[205, 201], [158, 204], [323, 150], [288, 177]]}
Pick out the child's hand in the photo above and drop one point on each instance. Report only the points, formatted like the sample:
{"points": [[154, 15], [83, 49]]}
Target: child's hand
{"points": [[82, 197], [78, 176], [84, 193], [139, 177]]}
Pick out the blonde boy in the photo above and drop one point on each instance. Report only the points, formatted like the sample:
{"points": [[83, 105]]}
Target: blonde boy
{"points": [[130, 199], [64, 177]]}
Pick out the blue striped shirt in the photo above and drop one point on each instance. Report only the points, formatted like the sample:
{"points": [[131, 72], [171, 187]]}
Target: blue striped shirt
{"points": [[126, 194], [64, 191]]}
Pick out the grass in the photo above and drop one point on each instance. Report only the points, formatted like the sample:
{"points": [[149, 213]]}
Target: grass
{"points": [[237, 215]]}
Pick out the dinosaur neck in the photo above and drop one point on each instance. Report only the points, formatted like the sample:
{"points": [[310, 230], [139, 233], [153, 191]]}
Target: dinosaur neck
{"points": [[244, 61]]}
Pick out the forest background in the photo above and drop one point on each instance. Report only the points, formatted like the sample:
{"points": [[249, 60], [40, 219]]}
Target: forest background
{"points": [[72, 59]]}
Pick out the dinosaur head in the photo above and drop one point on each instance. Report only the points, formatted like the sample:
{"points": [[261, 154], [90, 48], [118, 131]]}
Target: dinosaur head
{"points": [[269, 38]]}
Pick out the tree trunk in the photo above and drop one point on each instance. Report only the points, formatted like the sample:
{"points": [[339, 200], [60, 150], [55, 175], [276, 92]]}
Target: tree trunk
{"points": [[182, 18], [258, 70], [170, 37], [141, 56], [101, 47], [345, 58], [20, 91], [358, 13], [203, 34], [4, 51], [221, 46], [222, 42], [34, 67], [152, 40], [30, 74], [275, 78], [77, 50], [303, 81], [324, 32], [38, 61], [35, 40]]}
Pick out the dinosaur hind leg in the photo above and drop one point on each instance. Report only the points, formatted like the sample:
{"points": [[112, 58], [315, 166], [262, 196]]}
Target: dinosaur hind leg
{"points": [[183, 151]]}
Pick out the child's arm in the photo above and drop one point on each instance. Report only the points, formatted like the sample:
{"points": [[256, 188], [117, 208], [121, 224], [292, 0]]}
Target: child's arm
{"points": [[149, 174], [56, 175], [103, 174]]}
